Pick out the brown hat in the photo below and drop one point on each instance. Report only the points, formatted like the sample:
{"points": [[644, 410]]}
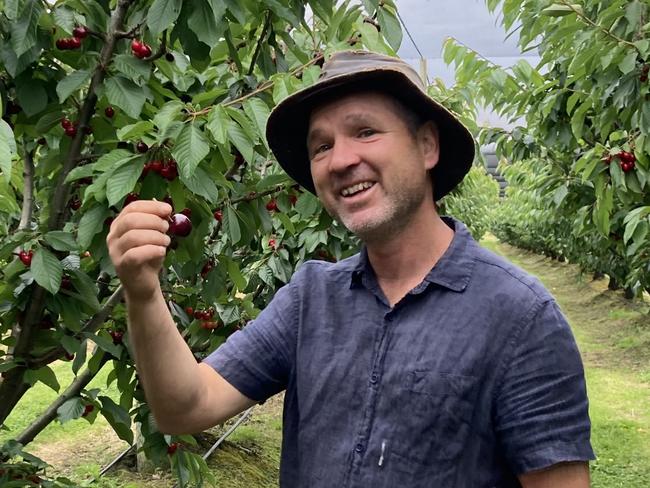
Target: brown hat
{"points": [[353, 71]]}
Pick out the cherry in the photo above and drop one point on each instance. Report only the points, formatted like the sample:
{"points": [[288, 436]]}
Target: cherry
{"points": [[272, 205], [170, 173], [136, 46], [187, 212], [169, 57], [218, 215], [66, 283], [171, 449], [62, 44], [209, 324], [180, 225], [109, 112], [155, 165], [87, 409], [70, 131], [26, 257], [130, 198], [207, 267], [189, 311], [80, 32], [293, 199], [272, 244], [75, 203], [141, 147], [169, 201], [65, 123], [146, 52], [74, 43], [68, 356], [117, 336]]}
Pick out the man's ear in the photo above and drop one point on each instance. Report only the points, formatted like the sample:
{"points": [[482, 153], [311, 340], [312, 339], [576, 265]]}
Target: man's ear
{"points": [[429, 140]]}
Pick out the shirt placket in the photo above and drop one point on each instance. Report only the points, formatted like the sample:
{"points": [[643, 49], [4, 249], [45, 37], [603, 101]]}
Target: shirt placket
{"points": [[374, 382]]}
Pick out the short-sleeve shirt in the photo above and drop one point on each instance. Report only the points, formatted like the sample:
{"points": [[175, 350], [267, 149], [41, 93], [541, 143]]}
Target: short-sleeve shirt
{"points": [[472, 378]]}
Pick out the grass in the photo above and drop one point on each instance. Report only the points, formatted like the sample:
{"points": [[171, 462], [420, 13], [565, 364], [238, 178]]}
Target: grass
{"points": [[613, 335]]}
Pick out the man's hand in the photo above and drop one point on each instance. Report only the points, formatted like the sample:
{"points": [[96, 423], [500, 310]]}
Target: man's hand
{"points": [[137, 243], [563, 475]]}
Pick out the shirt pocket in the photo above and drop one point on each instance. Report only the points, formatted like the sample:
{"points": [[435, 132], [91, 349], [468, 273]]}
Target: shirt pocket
{"points": [[436, 418]]}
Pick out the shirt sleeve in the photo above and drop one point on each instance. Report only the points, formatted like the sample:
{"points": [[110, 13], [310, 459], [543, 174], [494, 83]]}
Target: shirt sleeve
{"points": [[258, 359], [541, 408]]}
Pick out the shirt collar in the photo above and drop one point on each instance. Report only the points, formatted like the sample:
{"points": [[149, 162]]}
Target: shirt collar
{"points": [[453, 270]]}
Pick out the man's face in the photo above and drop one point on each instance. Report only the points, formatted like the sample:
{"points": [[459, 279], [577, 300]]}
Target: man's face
{"points": [[369, 170]]}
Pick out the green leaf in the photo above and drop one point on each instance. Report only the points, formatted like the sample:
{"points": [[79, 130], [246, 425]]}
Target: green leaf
{"points": [[206, 21], [25, 28], [190, 149], [104, 344], [236, 275], [560, 10], [200, 183], [307, 205], [32, 96], [72, 82], [162, 14], [86, 289], [47, 270], [134, 68], [266, 275], [134, 131], [118, 418], [633, 13], [45, 375], [390, 27], [628, 63], [258, 112], [92, 221], [218, 122], [71, 409], [125, 94], [243, 144], [61, 241], [114, 159], [168, 113], [231, 224], [7, 149], [122, 181]]}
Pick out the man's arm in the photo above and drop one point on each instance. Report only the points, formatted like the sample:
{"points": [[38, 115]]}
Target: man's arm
{"points": [[563, 475], [184, 396]]}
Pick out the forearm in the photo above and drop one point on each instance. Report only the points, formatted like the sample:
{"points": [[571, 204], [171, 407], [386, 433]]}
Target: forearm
{"points": [[165, 364]]}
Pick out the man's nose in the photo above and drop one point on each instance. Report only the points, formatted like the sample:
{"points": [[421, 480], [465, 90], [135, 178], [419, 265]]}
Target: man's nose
{"points": [[343, 155]]}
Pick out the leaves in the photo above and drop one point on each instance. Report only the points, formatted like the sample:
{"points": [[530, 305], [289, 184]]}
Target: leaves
{"points": [[125, 94], [24, 27], [47, 270], [45, 375], [123, 181], [7, 149], [190, 149], [162, 14], [72, 82], [61, 241]]}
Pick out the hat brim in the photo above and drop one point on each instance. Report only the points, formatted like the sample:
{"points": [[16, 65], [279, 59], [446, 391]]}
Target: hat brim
{"points": [[288, 125]]}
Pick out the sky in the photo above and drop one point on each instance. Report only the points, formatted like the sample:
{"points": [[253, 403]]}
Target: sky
{"points": [[430, 22]]}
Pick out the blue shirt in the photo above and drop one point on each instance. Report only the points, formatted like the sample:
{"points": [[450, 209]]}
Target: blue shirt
{"points": [[472, 378]]}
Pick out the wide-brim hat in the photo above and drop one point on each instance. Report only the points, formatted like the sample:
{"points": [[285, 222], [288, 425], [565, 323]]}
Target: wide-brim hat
{"points": [[354, 71]]}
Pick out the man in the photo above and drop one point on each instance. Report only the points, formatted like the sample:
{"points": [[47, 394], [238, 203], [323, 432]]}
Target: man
{"points": [[423, 361]]}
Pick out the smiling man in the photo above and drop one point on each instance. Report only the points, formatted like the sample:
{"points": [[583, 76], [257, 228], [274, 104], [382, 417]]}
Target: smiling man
{"points": [[424, 360]]}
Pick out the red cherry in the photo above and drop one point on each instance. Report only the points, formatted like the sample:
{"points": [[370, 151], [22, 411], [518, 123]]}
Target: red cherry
{"points": [[136, 46], [141, 147], [130, 198], [167, 199], [272, 244], [171, 449], [187, 212], [87, 409], [189, 311], [109, 112], [180, 225], [66, 283], [169, 173], [145, 52], [65, 123], [74, 43], [117, 336], [26, 257], [218, 215], [156, 165], [75, 204], [80, 32], [61, 44], [207, 267], [271, 205], [70, 131], [293, 199]]}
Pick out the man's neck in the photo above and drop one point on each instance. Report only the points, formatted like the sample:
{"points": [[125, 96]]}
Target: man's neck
{"points": [[402, 261]]}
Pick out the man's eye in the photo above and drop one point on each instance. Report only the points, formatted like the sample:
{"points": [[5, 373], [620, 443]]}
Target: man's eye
{"points": [[321, 148], [366, 132]]}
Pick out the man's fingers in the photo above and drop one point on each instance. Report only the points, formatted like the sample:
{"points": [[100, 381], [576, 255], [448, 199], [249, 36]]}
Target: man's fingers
{"points": [[142, 237], [143, 255], [161, 209], [130, 221]]}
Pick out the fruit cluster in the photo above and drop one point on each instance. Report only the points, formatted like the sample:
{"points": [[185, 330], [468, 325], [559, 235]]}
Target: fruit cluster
{"points": [[70, 43], [140, 49], [644, 73], [167, 169], [627, 160], [69, 128]]}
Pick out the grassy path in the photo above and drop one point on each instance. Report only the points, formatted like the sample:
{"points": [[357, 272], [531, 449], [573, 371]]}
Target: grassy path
{"points": [[614, 338]]}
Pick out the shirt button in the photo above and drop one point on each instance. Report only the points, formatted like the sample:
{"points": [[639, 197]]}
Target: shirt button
{"points": [[374, 378], [359, 447]]}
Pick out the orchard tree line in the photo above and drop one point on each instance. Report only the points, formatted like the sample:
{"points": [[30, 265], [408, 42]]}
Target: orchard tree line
{"points": [[104, 103], [578, 161]]}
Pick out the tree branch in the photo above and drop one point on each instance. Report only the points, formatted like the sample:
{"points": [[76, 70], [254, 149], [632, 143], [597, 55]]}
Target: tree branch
{"points": [[80, 382], [260, 41]]}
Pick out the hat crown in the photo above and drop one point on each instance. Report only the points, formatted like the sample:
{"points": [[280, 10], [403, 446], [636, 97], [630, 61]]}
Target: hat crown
{"points": [[349, 62]]}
